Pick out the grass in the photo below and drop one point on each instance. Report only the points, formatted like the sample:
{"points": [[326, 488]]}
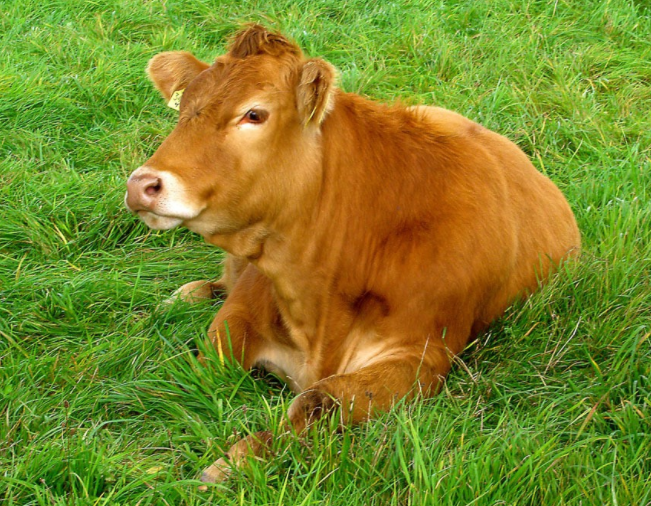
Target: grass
{"points": [[101, 398]]}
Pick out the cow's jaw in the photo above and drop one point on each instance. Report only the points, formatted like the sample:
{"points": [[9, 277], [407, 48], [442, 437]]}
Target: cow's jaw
{"points": [[160, 199], [156, 222]]}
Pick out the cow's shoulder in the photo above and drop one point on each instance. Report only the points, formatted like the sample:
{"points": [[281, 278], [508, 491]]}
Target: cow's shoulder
{"points": [[446, 122]]}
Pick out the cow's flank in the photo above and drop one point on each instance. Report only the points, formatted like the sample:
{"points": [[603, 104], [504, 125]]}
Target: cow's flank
{"points": [[367, 244]]}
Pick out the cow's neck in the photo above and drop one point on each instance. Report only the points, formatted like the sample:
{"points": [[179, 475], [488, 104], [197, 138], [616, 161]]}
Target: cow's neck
{"points": [[303, 251], [304, 255]]}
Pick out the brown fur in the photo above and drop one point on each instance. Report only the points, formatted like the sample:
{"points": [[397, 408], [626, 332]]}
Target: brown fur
{"points": [[367, 244]]}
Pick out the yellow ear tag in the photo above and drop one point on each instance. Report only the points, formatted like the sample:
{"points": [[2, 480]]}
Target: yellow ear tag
{"points": [[175, 101]]}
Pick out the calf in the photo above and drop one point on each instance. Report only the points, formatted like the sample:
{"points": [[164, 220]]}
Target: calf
{"points": [[367, 244]]}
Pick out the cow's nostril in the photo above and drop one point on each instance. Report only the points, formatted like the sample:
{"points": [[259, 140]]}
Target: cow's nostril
{"points": [[143, 190], [154, 187]]}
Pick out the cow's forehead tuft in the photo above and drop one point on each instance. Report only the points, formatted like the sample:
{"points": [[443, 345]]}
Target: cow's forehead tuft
{"points": [[228, 82]]}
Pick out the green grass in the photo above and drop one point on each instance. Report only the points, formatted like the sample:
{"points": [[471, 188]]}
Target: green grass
{"points": [[101, 398]]}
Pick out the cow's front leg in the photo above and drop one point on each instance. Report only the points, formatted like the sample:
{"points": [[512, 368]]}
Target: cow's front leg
{"points": [[255, 445], [244, 330], [204, 289], [360, 394], [371, 389], [196, 291]]}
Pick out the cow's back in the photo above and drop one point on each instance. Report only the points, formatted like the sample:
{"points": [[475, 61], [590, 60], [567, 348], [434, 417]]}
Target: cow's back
{"points": [[544, 230]]}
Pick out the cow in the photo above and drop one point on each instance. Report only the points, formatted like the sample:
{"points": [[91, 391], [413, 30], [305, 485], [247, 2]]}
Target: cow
{"points": [[366, 244]]}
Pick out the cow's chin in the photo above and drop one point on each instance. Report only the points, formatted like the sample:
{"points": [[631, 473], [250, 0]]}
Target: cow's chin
{"points": [[157, 222]]}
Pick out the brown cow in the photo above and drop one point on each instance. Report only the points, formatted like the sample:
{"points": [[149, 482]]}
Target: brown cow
{"points": [[367, 244]]}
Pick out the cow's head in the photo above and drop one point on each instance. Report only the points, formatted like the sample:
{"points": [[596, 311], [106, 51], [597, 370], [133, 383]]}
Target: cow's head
{"points": [[247, 141]]}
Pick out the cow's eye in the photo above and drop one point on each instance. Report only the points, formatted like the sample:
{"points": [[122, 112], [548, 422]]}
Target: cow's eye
{"points": [[255, 116]]}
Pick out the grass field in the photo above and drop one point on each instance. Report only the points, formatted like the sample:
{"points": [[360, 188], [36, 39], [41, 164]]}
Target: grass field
{"points": [[101, 398]]}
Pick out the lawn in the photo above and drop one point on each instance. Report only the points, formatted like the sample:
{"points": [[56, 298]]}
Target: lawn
{"points": [[102, 400]]}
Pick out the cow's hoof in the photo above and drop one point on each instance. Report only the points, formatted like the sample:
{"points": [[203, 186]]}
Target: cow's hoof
{"points": [[196, 291], [216, 473]]}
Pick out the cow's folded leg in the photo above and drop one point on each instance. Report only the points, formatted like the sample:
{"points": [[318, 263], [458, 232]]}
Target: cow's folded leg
{"points": [[255, 445], [235, 339], [204, 289], [360, 394], [196, 291], [371, 389], [237, 333]]}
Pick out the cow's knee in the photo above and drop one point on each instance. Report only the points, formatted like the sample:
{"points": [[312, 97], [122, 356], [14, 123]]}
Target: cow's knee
{"points": [[309, 407]]}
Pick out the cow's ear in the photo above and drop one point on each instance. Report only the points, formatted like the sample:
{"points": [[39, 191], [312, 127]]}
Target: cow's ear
{"points": [[173, 70], [316, 90]]}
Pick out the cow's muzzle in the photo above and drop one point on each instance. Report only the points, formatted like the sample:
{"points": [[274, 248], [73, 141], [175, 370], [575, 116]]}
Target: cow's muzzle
{"points": [[159, 198], [143, 190]]}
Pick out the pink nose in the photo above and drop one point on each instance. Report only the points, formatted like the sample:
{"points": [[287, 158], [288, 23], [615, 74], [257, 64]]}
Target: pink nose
{"points": [[142, 191]]}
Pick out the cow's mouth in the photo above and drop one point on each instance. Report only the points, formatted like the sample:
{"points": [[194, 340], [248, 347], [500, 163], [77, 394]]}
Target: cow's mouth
{"points": [[158, 222], [159, 198]]}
